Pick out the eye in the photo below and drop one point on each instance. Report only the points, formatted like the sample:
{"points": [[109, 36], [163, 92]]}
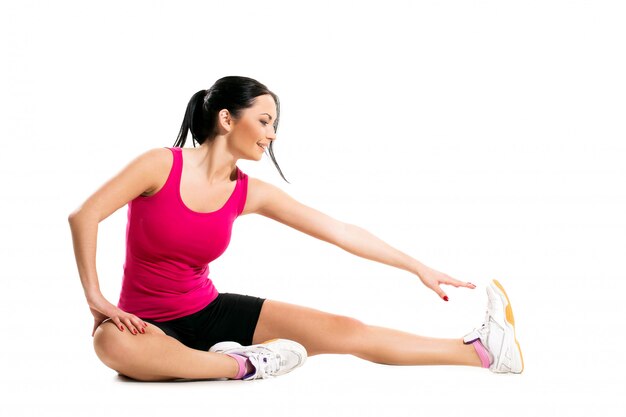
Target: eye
{"points": [[264, 122]]}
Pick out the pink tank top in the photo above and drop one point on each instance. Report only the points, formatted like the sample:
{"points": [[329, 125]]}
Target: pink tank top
{"points": [[169, 247]]}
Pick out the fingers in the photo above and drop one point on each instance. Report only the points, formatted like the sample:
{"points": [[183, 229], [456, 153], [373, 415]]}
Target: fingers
{"points": [[440, 292], [134, 324], [457, 283], [118, 323], [140, 324], [129, 325]]}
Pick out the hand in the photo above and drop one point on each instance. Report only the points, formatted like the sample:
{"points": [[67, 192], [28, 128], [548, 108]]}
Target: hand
{"points": [[432, 279], [103, 310]]}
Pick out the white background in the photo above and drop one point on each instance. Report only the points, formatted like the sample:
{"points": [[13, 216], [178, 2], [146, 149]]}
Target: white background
{"points": [[484, 138]]}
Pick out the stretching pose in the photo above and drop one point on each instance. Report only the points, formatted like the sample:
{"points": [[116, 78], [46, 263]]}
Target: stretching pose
{"points": [[172, 323]]}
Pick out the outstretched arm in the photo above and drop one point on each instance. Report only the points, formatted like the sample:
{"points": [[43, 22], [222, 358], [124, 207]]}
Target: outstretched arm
{"points": [[272, 202], [362, 243]]}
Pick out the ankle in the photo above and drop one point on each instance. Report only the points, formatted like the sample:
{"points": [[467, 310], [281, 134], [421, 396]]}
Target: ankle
{"points": [[244, 367], [481, 353], [249, 367]]}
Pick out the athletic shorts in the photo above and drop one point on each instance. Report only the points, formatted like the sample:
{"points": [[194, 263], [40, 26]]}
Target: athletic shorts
{"points": [[230, 317]]}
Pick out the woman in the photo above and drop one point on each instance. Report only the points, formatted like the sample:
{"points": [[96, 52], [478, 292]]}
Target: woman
{"points": [[181, 206]]}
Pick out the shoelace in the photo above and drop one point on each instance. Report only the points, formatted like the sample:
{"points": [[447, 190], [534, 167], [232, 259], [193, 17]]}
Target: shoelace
{"points": [[268, 362], [487, 318], [483, 330]]}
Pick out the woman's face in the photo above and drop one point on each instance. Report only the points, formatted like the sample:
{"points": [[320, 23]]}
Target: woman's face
{"points": [[254, 130]]}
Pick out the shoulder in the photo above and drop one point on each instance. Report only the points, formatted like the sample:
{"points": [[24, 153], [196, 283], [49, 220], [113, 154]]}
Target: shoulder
{"points": [[158, 155], [258, 194], [154, 156], [157, 162], [138, 177], [268, 200]]}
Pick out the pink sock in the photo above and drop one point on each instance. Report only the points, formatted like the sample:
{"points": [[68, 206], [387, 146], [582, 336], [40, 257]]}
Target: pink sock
{"points": [[482, 353], [241, 361]]}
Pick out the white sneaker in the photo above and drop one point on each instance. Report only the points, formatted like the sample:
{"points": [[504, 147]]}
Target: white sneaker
{"points": [[271, 358], [497, 334]]}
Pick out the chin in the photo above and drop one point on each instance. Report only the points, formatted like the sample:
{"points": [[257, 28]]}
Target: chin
{"points": [[253, 158]]}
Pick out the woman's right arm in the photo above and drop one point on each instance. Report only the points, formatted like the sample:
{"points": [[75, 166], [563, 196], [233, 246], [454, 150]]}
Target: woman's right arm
{"points": [[84, 235], [84, 226], [135, 179]]}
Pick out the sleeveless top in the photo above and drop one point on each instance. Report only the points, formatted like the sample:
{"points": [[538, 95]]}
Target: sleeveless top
{"points": [[169, 247]]}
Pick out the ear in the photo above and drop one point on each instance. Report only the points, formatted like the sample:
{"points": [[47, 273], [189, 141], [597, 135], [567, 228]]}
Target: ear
{"points": [[224, 120]]}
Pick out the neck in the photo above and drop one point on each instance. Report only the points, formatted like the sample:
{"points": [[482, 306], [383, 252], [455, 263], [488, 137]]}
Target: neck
{"points": [[215, 160]]}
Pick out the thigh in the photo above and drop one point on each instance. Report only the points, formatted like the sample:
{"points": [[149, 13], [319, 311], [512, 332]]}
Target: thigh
{"points": [[163, 328], [318, 331], [230, 317], [109, 342]]}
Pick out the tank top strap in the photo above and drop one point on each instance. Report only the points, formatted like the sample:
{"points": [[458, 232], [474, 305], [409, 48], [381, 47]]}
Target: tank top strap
{"points": [[176, 171], [242, 190], [173, 178]]}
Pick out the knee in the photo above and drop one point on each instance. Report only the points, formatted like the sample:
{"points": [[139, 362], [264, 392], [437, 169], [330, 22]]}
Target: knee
{"points": [[350, 333], [110, 344], [348, 324]]}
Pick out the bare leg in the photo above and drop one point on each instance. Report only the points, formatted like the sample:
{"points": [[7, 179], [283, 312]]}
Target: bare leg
{"points": [[154, 356], [394, 347], [321, 332]]}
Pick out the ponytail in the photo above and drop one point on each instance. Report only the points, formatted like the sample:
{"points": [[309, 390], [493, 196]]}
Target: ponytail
{"points": [[190, 121]]}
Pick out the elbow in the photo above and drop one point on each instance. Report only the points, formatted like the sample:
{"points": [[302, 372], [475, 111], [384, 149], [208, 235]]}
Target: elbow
{"points": [[73, 216], [80, 215]]}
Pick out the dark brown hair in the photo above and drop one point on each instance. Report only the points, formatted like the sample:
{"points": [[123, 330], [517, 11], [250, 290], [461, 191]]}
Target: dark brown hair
{"points": [[233, 93]]}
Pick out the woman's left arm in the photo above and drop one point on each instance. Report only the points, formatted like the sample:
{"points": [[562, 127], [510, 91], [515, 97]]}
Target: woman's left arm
{"points": [[360, 242], [272, 202]]}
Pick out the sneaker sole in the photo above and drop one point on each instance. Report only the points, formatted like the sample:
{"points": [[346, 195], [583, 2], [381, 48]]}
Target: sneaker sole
{"points": [[509, 319]]}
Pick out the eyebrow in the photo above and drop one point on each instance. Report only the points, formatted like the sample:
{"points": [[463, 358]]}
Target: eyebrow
{"points": [[268, 115]]}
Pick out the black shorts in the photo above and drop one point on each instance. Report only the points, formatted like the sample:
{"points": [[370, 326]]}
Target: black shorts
{"points": [[230, 317]]}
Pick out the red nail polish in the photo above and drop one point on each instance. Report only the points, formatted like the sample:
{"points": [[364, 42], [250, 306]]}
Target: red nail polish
{"points": [[445, 298]]}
